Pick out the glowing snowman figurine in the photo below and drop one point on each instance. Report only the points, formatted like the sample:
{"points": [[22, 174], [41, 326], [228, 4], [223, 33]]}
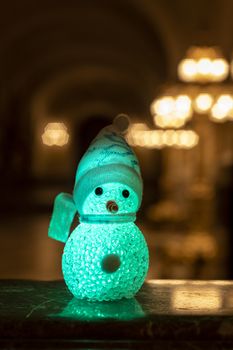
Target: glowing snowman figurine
{"points": [[106, 256]]}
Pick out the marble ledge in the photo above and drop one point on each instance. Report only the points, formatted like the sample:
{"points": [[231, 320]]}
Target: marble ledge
{"points": [[163, 312]]}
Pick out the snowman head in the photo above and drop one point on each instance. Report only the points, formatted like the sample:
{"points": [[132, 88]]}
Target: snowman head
{"points": [[108, 179], [110, 199], [110, 190]]}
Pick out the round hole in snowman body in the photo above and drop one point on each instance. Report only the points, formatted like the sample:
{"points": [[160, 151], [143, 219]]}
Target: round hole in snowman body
{"points": [[97, 204], [110, 263]]}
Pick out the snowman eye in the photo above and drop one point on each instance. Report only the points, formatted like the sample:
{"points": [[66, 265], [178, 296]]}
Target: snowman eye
{"points": [[98, 191], [125, 193]]}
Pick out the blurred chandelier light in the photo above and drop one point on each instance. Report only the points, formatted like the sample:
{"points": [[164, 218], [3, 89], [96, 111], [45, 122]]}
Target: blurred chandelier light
{"points": [[171, 111], [144, 137], [203, 102], [217, 104], [202, 72], [203, 65], [55, 134], [223, 108], [203, 91], [231, 67]]}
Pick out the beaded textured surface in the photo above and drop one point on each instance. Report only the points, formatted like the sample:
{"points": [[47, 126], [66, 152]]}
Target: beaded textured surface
{"points": [[86, 249]]}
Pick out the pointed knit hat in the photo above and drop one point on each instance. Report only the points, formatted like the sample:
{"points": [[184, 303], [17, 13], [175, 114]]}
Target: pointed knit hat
{"points": [[108, 159]]}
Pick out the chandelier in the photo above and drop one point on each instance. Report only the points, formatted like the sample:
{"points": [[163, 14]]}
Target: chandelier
{"points": [[200, 90], [172, 110], [140, 135], [203, 65]]}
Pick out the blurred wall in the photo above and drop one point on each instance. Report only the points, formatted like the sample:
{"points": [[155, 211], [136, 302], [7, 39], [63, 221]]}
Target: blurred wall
{"points": [[83, 62]]}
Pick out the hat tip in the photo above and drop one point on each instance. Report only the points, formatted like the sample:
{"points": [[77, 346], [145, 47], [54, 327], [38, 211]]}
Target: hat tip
{"points": [[122, 122]]}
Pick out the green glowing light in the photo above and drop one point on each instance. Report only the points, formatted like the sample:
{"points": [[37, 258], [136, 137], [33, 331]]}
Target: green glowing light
{"points": [[125, 310], [96, 204], [109, 159], [85, 251], [106, 257]]}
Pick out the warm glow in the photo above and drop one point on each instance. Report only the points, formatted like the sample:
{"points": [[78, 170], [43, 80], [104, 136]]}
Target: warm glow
{"points": [[186, 299], [183, 106], [203, 64], [230, 115], [169, 137], [203, 103], [184, 138], [169, 121], [187, 70], [163, 106], [225, 103], [231, 67], [222, 108], [55, 134], [138, 126], [171, 112], [217, 114], [135, 134], [220, 69], [163, 138]]}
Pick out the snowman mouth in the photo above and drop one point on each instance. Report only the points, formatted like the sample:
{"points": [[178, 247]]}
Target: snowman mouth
{"points": [[112, 207]]}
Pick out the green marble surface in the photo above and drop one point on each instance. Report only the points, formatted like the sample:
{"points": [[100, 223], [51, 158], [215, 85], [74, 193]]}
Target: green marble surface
{"points": [[164, 314]]}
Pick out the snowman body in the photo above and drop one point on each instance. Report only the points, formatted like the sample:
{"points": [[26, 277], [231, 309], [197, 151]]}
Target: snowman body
{"points": [[105, 261]]}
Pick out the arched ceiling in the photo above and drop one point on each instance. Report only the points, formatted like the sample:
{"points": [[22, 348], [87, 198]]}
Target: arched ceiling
{"points": [[66, 54], [58, 56]]}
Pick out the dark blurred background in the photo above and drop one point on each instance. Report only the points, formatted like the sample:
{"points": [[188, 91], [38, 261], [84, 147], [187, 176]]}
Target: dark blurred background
{"points": [[80, 63]]}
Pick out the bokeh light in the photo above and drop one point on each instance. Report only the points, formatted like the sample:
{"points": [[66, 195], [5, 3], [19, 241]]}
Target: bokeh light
{"points": [[203, 64], [171, 111], [203, 102], [55, 134], [163, 138]]}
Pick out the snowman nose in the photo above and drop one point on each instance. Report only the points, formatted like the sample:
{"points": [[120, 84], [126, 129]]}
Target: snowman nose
{"points": [[112, 206]]}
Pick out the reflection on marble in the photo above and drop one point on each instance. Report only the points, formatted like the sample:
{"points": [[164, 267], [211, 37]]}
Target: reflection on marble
{"points": [[125, 309], [166, 314], [186, 300], [229, 300]]}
